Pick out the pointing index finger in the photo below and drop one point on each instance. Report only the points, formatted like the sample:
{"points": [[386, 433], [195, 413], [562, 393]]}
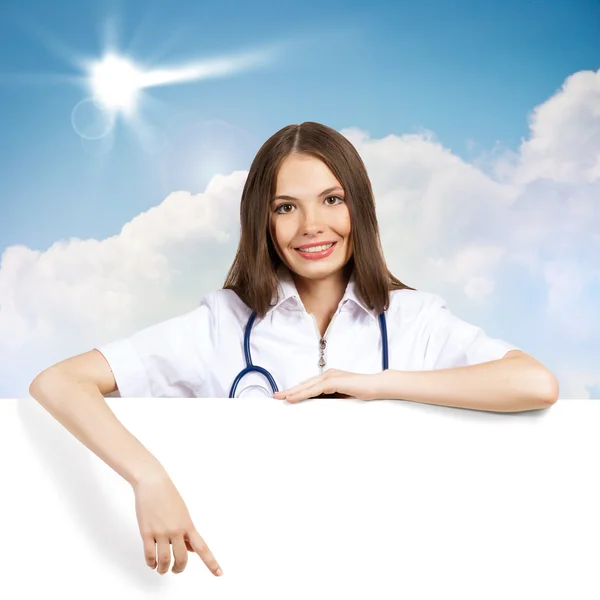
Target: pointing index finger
{"points": [[203, 551]]}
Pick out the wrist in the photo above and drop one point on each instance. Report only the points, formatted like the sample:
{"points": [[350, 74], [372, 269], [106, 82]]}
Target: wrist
{"points": [[382, 384], [149, 472]]}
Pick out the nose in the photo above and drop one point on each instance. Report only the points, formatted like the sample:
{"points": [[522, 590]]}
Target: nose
{"points": [[312, 223]]}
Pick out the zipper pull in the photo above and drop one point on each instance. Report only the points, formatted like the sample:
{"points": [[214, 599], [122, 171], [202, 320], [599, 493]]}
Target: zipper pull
{"points": [[322, 344]]}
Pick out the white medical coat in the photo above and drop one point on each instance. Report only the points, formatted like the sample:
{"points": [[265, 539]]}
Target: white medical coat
{"points": [[199, 354]]}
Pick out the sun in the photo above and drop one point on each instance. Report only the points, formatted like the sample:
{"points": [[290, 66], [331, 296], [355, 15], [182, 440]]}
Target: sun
{"points": [[115, 83]]}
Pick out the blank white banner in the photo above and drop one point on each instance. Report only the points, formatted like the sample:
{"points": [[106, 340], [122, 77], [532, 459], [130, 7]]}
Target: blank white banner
{"points": [[324, 499]]}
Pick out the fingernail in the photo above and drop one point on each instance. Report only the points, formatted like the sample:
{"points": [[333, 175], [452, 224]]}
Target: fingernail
{"points": [[219, 572]]}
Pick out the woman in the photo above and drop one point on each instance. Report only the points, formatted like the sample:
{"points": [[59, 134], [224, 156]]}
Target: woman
{"points": [[310, 288]]}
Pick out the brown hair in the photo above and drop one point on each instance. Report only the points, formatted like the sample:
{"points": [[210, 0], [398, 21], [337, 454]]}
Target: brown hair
{"points": [[253, 274]]}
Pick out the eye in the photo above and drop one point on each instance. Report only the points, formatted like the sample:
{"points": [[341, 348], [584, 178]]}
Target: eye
{"points": [[277, 210], [334, 197]]}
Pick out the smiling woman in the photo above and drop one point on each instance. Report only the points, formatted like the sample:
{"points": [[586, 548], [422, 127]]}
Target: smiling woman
{"points": [[309, 186], [310, 283], [309, 297]]}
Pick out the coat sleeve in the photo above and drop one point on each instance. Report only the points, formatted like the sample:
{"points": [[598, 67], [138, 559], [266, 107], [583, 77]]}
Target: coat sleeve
{"points": [[170, 359], [451, 342]]}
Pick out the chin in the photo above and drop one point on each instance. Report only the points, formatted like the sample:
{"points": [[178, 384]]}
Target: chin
{"points": [[315, 271]]}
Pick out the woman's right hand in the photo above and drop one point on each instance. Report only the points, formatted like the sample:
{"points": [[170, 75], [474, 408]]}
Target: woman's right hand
{"points": [[164, 521]]}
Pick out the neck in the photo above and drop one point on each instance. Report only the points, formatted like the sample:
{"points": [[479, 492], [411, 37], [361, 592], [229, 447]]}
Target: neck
{"points": [[321, 297]]}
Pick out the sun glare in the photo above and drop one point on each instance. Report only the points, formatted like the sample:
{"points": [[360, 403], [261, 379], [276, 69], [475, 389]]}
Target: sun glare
{"points": [[115, 83]]}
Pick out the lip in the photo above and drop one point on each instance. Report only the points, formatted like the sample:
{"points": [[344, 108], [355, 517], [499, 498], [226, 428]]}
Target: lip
{"points": [[316, 255], [315, 244]]}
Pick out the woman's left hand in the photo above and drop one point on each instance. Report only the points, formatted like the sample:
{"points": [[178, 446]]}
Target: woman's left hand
{"points": [[346, 384]]}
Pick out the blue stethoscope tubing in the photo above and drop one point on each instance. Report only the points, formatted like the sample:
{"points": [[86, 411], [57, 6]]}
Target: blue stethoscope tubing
{"points": [[251, 367]]}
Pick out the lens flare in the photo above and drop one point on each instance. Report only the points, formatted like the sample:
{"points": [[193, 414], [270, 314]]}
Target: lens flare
{"points": [[91, 121]]}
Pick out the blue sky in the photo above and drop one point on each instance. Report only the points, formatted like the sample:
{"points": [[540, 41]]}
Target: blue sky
{"points": [[465, 70], [469, 72]]}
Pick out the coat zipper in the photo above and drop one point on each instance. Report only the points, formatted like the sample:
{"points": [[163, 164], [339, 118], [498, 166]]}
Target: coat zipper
{"points": [[322, 341]]}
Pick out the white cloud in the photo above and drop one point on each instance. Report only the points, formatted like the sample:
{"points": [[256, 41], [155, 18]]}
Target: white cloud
{"points": [[80, 293], [520, 237], [471, 267], [565, 134]]}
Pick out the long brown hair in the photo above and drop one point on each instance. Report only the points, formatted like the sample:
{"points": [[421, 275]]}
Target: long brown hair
{"points": [[253, 273]]}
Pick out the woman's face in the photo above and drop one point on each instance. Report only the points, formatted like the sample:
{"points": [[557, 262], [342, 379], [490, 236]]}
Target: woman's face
{"points": [[312, 212]]}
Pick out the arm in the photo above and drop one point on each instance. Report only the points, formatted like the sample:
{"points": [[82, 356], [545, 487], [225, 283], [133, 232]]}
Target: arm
{"points": [[458, 366], [167, 359], [516, 382], [72, 392]]}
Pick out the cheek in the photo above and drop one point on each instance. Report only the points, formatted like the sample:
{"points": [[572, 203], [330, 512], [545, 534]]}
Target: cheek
{"points": [[344, 226], [280, 233], [273, 233]]}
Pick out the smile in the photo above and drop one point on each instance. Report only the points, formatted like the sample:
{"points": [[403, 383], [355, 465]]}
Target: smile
{"points": [[316, 252]]}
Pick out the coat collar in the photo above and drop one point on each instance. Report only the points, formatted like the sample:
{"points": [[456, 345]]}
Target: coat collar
{"points": [[288, 293]]}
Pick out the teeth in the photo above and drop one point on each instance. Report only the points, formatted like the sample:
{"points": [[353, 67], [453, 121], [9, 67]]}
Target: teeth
{"points": [[316, 248]]}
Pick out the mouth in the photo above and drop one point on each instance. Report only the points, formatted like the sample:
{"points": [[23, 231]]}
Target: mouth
{"points": [[316, 252]]}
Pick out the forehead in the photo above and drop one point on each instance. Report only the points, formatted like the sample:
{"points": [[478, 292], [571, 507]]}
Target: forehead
{"points": [[304, 174]]}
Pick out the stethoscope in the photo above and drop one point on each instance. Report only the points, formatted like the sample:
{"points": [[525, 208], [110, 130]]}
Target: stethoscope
{"points": [[250, 367]]}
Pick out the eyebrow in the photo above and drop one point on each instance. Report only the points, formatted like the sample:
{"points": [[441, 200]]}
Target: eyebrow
{"points": [[323, 193]]}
